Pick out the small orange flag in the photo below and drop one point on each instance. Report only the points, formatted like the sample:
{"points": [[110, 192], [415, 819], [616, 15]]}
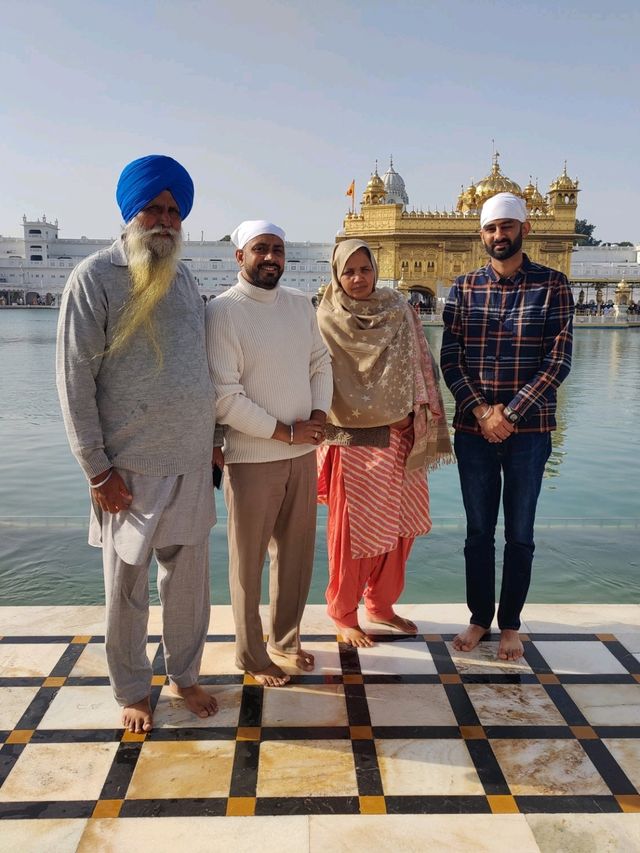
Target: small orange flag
{"points": [[352, 188]]}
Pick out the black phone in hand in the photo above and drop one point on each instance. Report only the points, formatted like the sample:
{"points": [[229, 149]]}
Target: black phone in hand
{"points": [[216, 471]]}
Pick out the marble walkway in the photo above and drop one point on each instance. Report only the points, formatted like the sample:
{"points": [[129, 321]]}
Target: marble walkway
{"points": [[406, 746]]}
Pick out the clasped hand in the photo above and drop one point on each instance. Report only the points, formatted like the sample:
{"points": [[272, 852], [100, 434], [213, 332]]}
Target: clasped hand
{"points": [[496, 428], [310, 431]]}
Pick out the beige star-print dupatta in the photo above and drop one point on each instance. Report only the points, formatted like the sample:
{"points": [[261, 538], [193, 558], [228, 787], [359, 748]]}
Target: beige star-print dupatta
{"points": [[382, 371]]}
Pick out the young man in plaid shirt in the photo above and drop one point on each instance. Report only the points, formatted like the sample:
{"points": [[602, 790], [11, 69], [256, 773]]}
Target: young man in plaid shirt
{"points": [[506, 348]]}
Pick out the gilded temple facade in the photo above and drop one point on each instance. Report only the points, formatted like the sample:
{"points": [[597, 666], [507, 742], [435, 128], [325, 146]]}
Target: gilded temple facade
{"points": [[425, 251]]}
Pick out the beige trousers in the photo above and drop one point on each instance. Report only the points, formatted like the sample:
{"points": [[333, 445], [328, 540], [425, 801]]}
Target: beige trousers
{"points": [[272, 508]]}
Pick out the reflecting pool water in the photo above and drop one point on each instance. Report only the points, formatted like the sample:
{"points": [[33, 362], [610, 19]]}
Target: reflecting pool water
{"points": [[588, 516]]}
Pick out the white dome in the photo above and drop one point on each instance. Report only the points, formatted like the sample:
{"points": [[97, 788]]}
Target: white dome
{"points": [[394, 187]]}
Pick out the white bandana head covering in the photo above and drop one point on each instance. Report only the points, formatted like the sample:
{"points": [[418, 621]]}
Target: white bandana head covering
{"points": [[251, 228], [503, 206]]}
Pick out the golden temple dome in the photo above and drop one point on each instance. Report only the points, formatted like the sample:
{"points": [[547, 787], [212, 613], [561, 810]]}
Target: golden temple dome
{"points": [[375, 191], [563, 183], [494, 183], [472, 199], [467, 199], [535, 200]]}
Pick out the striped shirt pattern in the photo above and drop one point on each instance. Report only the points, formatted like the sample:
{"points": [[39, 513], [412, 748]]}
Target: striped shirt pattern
{"points": [[385, 501], [508, 340]]}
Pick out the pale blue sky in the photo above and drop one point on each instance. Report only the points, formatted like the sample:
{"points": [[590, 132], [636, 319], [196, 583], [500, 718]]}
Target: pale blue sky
{"points": [[274, 106]]}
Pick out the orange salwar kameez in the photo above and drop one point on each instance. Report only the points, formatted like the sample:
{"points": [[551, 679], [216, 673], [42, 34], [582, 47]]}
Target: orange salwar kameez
{"points": [[376, 509]]}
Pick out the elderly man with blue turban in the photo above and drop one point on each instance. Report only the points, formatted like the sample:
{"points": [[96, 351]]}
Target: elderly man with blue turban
{"points": [[137, 404]]}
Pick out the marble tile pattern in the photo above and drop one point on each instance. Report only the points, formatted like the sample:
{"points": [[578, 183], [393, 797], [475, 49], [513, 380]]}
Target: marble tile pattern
{"points": [[377, 748]]}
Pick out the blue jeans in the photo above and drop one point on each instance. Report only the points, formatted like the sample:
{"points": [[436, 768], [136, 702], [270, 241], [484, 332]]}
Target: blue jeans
{"points": [[482, 466]]}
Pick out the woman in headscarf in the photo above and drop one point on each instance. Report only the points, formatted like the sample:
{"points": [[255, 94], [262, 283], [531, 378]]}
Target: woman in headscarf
{"points": [[386, 427]]}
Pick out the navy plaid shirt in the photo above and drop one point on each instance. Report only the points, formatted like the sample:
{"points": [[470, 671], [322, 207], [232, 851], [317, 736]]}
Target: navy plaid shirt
{"points": [[508, 340]]}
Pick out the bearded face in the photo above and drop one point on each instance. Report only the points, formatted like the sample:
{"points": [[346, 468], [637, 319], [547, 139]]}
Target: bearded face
{"points": [[502, 238], [153, 252]]}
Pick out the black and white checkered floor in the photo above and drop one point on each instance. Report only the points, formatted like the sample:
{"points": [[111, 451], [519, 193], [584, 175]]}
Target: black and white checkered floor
{"points": [[406, 745]]}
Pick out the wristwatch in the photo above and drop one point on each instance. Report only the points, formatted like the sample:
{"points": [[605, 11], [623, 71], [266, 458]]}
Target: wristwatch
{"points": [[510, 415]]}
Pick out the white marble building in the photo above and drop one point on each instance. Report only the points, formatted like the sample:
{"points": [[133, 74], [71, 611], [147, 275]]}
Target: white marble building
{"points": [[35, 267]]}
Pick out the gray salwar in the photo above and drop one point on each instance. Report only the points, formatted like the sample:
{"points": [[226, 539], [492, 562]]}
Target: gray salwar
{"points": [[170, 517]]}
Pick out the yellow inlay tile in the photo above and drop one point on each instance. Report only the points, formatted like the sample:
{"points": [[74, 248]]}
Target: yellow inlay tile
{"points": [[473, 733], [107, 808], [525, 638], [133, 737], [361, 732], [83, 639], [629, 802], [502, 804], [352, 679], [372, 805], [54, 681], [435, 638], [20, 736], [606, 638], [637, 678], [450, 679], [249, 680], [248, 733], [583, 732], [548, 678], [241, 806], [158, 680]]}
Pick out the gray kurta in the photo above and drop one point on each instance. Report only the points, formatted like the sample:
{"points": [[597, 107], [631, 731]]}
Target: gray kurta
{"points": [[174, 510]]}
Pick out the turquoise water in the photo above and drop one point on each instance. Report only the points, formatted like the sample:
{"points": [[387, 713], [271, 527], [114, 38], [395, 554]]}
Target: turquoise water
{"points": [[588, 516]]}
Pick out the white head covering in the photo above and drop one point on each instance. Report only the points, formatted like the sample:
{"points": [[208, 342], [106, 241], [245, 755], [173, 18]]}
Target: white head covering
{"points": [[503, 206], [251, 228]]}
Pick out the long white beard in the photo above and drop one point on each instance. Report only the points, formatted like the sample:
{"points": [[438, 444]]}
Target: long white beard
{"points": [[153, 261]]}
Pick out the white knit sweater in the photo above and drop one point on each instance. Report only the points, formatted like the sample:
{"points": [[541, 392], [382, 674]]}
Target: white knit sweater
{"points": [[268, 363]]}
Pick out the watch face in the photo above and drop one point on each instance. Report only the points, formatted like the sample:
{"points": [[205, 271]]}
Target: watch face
{"points": [[513, 417]]}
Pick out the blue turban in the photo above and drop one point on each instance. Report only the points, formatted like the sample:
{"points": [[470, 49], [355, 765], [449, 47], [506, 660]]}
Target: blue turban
{"points": [[144, 179]]}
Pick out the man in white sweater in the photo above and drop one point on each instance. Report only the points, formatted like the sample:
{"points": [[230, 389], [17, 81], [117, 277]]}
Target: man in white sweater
{"points": [[273, 386], [137, 403]]}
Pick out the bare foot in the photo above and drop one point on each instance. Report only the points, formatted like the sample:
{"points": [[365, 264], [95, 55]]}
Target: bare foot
{"points": [[197, 700], [272, 676], [355, 637], [510, 647], [404, 625], [300, 659], [469, 638], [137, 717]]}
